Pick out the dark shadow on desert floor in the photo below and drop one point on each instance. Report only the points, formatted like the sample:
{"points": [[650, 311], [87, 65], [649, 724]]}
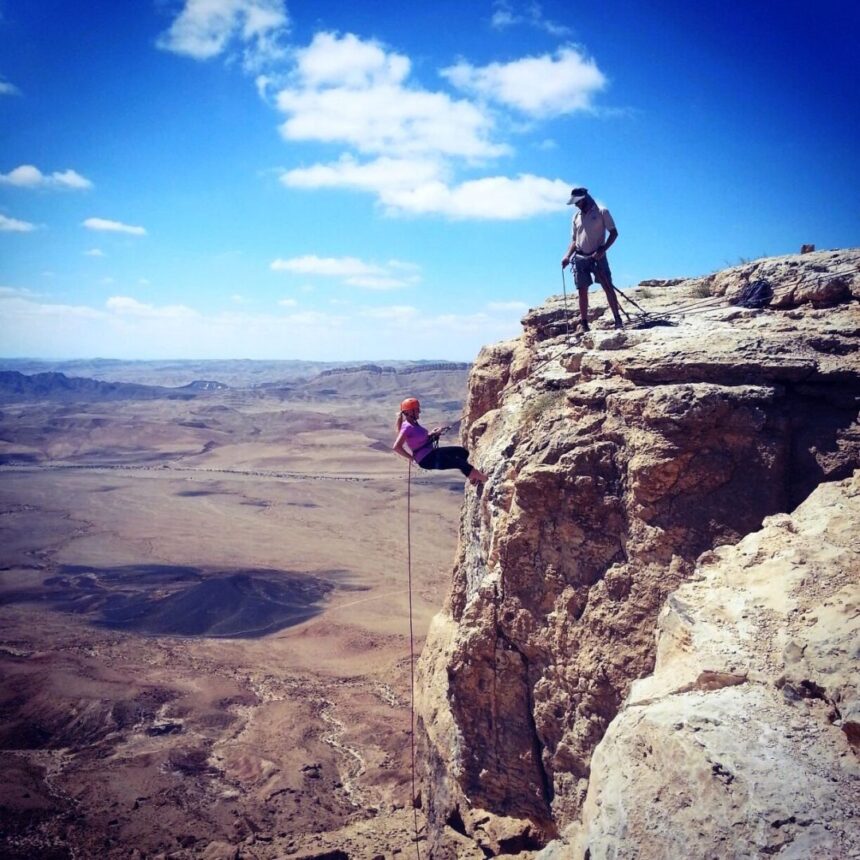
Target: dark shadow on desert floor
{"points": [[176, 600]]}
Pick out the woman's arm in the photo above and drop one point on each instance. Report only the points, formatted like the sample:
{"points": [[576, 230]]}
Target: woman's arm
{"points": [[398, 446]]}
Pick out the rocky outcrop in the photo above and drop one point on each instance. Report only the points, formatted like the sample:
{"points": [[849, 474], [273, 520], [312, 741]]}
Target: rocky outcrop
{"points": [[746, 736], [616, 459]]}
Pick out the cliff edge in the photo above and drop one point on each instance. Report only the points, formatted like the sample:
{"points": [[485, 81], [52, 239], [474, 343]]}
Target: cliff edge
{"points": [[616, 460]]}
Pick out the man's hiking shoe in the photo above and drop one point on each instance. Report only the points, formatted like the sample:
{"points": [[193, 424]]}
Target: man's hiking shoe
{"points": [[619, 324]]}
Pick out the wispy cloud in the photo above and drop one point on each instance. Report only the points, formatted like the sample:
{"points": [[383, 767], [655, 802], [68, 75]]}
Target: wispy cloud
{"points": [[327, 266], [253, 30], [517, 307], [8, 292], [127, 327], [13, 225], [126, 305], [28, 176], [94, 252], [539, 86], [106, 225], [8, 89], [505, 15], [352, 271]]}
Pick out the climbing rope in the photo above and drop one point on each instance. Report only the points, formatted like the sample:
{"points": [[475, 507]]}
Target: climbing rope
{"points": [[566, 309], [411, 650]]}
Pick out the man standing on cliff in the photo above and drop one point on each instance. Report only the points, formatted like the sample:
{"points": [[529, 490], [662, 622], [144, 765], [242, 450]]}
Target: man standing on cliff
{"points": [[587, 252]]}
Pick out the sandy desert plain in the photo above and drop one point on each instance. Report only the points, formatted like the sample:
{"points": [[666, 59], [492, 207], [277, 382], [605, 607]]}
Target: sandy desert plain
{"points": [[204, 628]]}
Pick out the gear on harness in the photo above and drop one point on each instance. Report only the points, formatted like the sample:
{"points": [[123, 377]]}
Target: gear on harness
{"points": [[437, 432]]}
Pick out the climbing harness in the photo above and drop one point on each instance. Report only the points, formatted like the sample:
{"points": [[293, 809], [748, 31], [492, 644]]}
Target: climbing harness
{"points": [[411, 650]]}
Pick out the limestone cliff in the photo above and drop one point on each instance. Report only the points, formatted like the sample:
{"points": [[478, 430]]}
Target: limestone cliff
{"points": [[741, 742], [616, 459]]}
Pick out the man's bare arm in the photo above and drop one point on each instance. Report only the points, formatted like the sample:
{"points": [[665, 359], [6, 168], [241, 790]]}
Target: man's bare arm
{"points": [[601, 251]]}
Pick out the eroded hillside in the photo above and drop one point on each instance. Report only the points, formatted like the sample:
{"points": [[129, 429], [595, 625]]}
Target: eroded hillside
{"points": [[616, 459]]}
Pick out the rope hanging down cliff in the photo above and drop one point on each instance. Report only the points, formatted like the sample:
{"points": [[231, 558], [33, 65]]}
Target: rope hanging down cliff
{"points": [[411, 651]]}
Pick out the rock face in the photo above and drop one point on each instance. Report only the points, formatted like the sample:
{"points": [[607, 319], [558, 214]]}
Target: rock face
{"points": [[742, 738], [616, 459]]}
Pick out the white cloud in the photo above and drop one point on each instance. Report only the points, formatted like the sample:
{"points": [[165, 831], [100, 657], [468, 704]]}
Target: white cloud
{"points": [[28, 176], [126, 305], [327, 266], [540, 86], [403, 266], [287, 303], [94, 252], [8, 89], [504, 15], [13, 225], [18, 312], [357, 93], [498, 198], [207, 28], [372, 282], [345, 90], [103, 224], [107, 281], [8, 292], [128, 328], [353, 271], [349, 62], [377, 175], [507, 306], [419, 188]]}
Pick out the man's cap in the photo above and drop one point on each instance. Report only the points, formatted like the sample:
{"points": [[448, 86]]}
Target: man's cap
{"points": [[577, 194]]}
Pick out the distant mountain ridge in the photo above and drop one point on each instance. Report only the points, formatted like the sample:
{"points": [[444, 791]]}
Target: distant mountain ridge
{"points": [[379, 369], [236, 373], [441, 381], [205, 385], [58, 385]]}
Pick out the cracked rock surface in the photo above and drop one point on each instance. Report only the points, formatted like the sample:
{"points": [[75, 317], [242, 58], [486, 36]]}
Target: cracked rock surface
{"points": [[615, 459], [745, 738]]}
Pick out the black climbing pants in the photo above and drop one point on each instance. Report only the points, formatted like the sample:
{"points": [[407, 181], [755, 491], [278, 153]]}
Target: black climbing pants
{"points": [[448, 457]]}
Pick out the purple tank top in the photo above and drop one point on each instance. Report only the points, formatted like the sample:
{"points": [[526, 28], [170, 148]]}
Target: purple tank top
{"points": [[417, 438]]}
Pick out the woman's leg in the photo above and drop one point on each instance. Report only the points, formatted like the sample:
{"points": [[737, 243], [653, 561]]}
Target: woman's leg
{"points": [[448, 457]]}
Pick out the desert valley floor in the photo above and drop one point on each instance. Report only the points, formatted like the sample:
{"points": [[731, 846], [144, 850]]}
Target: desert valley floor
{"points": [[205, 620]]}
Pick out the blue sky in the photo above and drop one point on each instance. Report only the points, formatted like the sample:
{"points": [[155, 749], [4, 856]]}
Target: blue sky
{"points": [[372, 180]]}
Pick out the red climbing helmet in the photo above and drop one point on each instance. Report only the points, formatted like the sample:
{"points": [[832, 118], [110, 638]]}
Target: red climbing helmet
{"points": [[410, 404]]}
